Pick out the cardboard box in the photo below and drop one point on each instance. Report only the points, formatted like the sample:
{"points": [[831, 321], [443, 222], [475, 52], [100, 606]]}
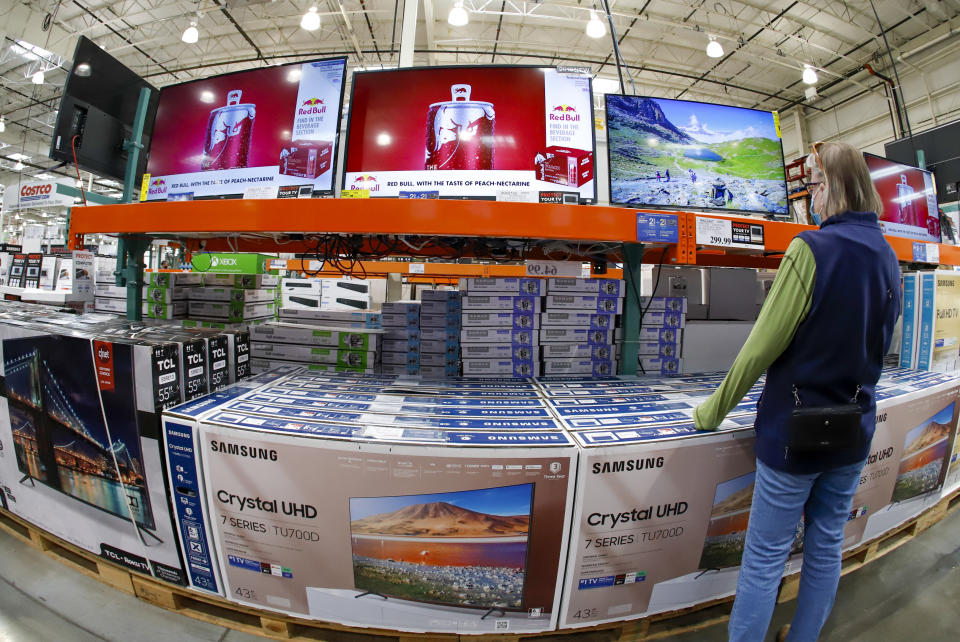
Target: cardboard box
{"points": [[663, 335], [246, 280], [565, 166], [585, 302], [410, 358], [938, 345], [499, 335], [606, 287], [446, 335], [308, 354], [438, 359], [500, 368], [440, 295], [306, 159], [598, 352], [406, 308], [660, 365], [504, 285], [730, 297], [446, 307], [167, 295], [528, 304], [910, 316], [443, 321], [592, 367], [515, 320], [115, 306], [231, 311], [449, 370], [664, 319], [411, 345], [321, 337], [445, 346], [175, 310], [173, 279], [663, 304], [49, 267], [400, 369], [237, 264], [499, 351], [232, 295], [576, 335], [335, 318], [588, 320], [110, 291]]}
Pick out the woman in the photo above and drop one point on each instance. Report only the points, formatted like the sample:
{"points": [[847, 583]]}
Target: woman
{"points": [[821, 337]]}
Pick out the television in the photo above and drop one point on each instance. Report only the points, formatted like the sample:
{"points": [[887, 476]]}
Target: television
{"points": [[925, 450], [261, 133], [72, 433], [485, 132], [99, 105], [686, 154], [727, 530], [909, 197], [460, 548]]}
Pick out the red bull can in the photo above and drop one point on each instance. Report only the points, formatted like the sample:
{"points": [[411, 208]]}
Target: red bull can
{"points": [[460, 132], [229, 129]]}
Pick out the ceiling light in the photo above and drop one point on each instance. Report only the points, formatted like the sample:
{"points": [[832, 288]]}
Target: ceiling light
{"points": [[809, 75], [458, 16], [43, 176], [38, 78], [17, 156], [190, 34], [79, 183], [310, 20], [18, 167], [595, 27], [83, 70], [714, 48], [3, 125]]}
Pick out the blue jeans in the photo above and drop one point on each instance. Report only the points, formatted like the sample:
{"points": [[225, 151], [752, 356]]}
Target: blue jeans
{"points": [[779, 501]]}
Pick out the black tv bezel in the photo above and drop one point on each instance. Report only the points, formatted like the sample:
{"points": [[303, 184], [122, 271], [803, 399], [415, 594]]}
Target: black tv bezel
{"points": [[486, 607], [64, 127], [353, 84], [944, 461], [683, 208], [936, 196], [700, 566], [15, 401], [333, 152]]}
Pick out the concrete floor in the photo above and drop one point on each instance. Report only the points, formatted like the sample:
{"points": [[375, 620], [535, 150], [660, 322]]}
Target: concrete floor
{"points": [[909, 595]]}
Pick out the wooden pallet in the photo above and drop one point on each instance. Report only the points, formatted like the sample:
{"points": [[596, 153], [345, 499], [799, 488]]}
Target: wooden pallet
{"points": [[280, 627]]}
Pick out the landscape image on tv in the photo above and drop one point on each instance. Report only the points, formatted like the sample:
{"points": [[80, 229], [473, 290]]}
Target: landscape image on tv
{"points": [[680, 153], [59, 433], [924, 453], [727, 531], [464, 548]]}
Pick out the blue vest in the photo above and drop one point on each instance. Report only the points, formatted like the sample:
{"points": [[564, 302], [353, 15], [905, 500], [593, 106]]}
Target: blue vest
{"points": [[841, 342]]}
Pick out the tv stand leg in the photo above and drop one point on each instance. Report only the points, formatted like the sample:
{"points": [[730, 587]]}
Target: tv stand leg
{"points": [[28, 478], [492, 611], [380, 595], [141, 531]]}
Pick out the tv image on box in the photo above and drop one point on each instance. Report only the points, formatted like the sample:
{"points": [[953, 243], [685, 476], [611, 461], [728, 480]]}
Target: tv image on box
{"points": [[59, 432], [727, 531], [462, 548], [909, 197], [685, 154], [924, 454]]}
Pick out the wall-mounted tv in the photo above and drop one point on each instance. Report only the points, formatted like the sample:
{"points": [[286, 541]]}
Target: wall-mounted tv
{"points": [[471, 132], [685, 154], [257, 133], [60, 436], [925, 451], [461, 548], [909, 198]]}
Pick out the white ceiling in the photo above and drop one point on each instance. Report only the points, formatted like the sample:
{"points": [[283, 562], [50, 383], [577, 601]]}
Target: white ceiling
{"points": [[662, 43]]}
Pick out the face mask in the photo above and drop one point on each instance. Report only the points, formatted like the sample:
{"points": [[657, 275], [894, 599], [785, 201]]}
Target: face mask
{"points": [[813, 215]]}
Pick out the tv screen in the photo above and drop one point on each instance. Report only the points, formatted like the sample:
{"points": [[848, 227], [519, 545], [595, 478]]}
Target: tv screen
{"points": [[924, 451], [471, 132], [260, 133], [99, 104], [685, 154], [60, 436], [909, 198], [461, 548]]}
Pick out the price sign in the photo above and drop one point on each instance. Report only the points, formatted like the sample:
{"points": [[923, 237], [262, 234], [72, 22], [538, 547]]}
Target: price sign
{"points": [[725, 233], [416, 268], [354, 193], [144, 186], [568, 269], [926, 252], [658, 228]]}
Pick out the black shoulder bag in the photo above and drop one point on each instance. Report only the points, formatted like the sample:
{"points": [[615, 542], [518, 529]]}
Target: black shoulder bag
{"points": [[827, 429]]}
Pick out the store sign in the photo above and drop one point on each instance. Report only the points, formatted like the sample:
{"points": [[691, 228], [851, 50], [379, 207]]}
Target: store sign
{"points": [[35, 194]]}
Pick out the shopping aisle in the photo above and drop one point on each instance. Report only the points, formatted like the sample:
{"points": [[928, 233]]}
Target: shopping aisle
{"points": [[909, 595]]}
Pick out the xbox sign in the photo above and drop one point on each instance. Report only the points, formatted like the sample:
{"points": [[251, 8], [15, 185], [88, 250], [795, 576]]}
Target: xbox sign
{"points": [[231, 263]]}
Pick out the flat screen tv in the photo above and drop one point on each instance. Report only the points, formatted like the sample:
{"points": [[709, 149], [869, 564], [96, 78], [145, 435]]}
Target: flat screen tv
{"points": [[60, 436], [99, 104], [925, 450], [461, 548], [260, 133], [471, 132], [685, 154], [909, 198]]}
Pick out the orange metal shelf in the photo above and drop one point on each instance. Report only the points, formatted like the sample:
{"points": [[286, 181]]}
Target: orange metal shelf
{"points": [[432, 270]]}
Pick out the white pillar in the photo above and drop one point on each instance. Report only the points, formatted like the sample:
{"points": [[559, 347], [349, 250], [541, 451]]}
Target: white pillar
{"points": [[408, 32]]}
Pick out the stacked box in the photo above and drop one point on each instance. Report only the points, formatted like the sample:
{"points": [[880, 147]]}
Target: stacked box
{"points": [[439, 340], [165, 294], [500, 324], [332, 318], [324, 349], [343, 294], [579, 328], [661, 335], [400, 350]]}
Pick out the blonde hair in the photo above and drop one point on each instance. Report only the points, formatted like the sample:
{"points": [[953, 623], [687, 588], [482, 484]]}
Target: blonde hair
{"points": [[847, 179]]}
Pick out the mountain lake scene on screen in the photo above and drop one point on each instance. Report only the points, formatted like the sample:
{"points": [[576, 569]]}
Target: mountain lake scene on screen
{"points": [[718, 157]]}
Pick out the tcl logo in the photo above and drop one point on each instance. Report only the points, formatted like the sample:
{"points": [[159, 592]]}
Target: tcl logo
{"points": [[35, 190]]}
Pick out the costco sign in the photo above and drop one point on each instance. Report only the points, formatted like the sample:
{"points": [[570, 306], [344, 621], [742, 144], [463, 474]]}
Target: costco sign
{"points": [[36, 194]]}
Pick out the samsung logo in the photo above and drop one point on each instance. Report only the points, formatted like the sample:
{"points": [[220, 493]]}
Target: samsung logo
{"points": [[243, 451], [627, 465]]}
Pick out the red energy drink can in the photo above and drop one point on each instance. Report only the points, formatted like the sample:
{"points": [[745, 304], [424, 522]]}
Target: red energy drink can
{"points": [[460, 132], [229, 130]]}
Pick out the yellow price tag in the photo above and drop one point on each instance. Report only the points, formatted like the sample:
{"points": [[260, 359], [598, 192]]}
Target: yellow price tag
{"points": [[776, 123], [144, 186], [354, 193]]}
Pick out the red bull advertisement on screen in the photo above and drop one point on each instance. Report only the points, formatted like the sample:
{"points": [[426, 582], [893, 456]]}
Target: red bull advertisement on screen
{"points": [[250, 132], [909, 198], [471, 132]]}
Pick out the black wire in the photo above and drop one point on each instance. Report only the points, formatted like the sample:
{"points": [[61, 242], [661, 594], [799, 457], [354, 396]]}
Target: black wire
{"points": [[636, 293], [896, 75]]}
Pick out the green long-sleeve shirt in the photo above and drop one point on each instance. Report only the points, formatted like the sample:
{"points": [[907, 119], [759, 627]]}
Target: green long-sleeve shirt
{"points": [[786, 306]]}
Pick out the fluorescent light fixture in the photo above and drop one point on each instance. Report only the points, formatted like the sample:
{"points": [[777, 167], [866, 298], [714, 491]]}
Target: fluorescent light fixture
{"points": [[190, 34], [83, 70], [18, 167], [310, 20], [43, 176], [17, 156], [3, 125], [714, 48], [79, 183], [810, 75], [37, 78], [458, 16], [595, 27]]}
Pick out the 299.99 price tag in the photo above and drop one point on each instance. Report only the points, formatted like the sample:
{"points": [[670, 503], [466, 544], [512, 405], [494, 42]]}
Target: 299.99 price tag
{"points": [[719, 232]]}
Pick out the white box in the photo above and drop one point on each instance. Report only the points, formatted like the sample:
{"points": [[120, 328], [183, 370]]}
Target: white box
{"points": [[444, 307], [313, 336], [585, 302], [247, 281], [590, 367], [450, 321], [910, 313], [591, 320], [502, 303], [610, 287], [231, 311], [500, 367], [438, 359], [49, 267], [499, 335], [105, 304], [338, 318], [576, 335], [519, 321], [235, 295], [664, 319], [173, 279], [712, 346], [504, 285], [598, 352], [660, 365], [389, 358], [175, 310], [312, 354], [499, 351]]}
